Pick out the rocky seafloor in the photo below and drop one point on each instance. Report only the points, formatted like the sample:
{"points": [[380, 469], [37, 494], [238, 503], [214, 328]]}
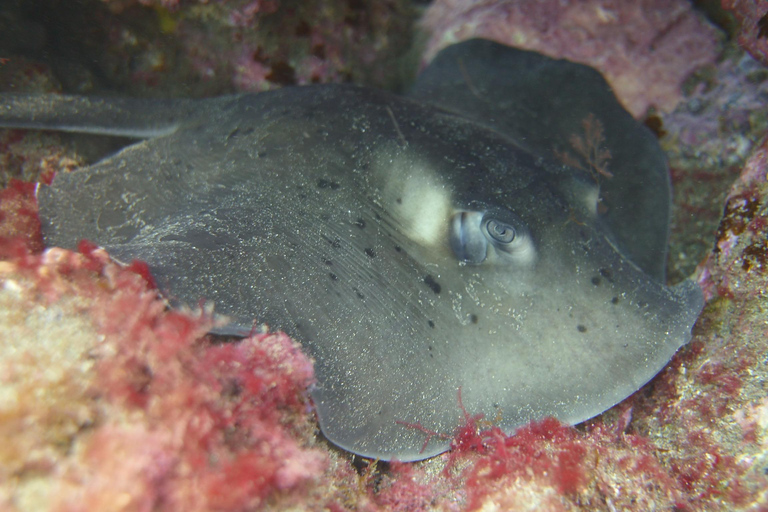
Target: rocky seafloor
{"points": [[110, 401]]}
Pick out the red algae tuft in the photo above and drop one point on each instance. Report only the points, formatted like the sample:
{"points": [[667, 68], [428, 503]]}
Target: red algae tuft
{"points": [[546, 449]]}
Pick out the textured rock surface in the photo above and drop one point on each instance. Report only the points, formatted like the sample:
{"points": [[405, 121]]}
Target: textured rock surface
{"points": [[645, 49], [752, 16]]}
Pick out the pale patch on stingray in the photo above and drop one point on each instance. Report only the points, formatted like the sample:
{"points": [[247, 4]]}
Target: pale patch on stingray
{"points": [[418, 200]]}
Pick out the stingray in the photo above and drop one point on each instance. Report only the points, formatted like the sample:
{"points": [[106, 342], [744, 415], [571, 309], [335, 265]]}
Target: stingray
{"points": [[415, 245]]}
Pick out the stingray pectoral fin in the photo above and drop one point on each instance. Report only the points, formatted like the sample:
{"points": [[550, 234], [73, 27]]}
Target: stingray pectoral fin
{"points": [[124, 117], [688, 293]]}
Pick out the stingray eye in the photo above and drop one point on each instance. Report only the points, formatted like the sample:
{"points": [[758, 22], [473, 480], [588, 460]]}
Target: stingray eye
{"points": [[500, 231], [491, 237], [509, 238]]}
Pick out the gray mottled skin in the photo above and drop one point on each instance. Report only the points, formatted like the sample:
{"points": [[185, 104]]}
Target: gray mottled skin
{"points": [[337, 213]]}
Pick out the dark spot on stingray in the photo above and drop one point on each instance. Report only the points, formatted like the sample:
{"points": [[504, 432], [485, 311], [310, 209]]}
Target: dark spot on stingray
{"points": [[323, 183], [432, 325], [335, 243], [333, 276], [360, 222], [233, 133], [328, 262], [399, 200], [473, 318], [607, 274], [398, 248], [433, 285], [596, 281], [377, 216], [261, 154], [581, 328], [358, 293], [615, 300], [370, 252]]}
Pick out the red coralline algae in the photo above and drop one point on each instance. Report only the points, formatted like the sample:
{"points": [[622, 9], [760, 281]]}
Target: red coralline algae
{"points": [[645, 49], [33, 156], [407, 490], [545, 449], [550, 466], [19, 224], [178, 422]]}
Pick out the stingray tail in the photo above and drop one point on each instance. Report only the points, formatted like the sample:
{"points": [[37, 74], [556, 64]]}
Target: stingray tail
{"points": [[127, 117]]}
